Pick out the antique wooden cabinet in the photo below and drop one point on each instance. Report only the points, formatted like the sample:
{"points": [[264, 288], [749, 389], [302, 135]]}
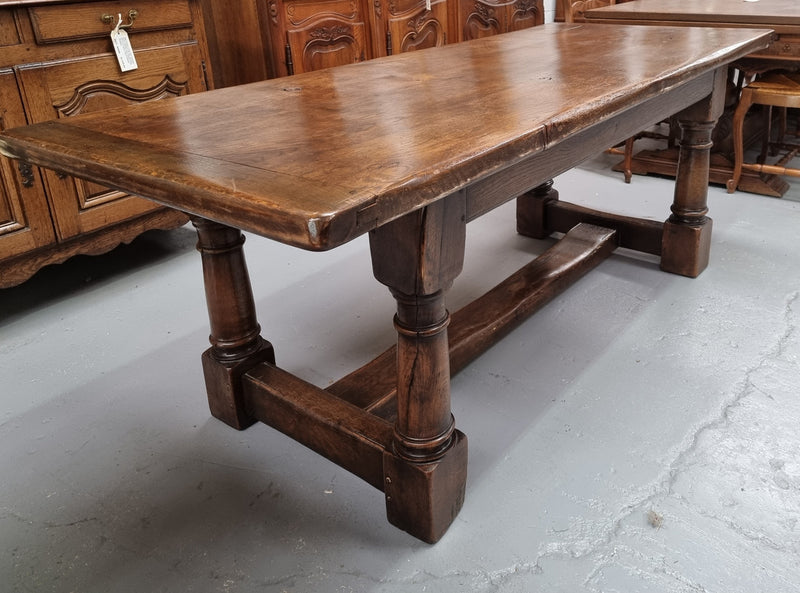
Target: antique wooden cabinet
{"points": [[406, 25], [312, 34], [296, 36], [481, 18], [56, 60]]}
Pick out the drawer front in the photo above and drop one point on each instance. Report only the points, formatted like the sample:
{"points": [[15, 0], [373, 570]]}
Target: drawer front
{"points": [[66, 22], [786, 46]]}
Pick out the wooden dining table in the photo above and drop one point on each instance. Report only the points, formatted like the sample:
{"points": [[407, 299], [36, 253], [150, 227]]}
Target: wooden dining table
{"points": [[782, 16], [408, 149]]}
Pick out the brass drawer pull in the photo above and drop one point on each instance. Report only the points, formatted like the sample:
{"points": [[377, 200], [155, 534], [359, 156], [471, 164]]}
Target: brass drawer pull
{"points": [[110, 20]]}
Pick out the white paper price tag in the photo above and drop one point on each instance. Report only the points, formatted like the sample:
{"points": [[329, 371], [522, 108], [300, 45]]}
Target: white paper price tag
{"points": [[123, 49]]}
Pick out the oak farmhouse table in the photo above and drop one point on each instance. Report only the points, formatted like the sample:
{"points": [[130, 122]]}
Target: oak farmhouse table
{"points": [[782, 16], [408, 149]]}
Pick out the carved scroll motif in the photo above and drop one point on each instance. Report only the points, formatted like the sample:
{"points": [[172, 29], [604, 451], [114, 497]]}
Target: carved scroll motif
{"points": [[425, 32], [485, 20], [331, 45], [485, 11], [273, 11], [102, 94], [331, 33], [418, 22], [96, 89], [526, 6], [524, 12]]}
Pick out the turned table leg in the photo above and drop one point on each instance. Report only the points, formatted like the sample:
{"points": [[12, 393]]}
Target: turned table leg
{"points": [[236, 343], [686, 239], [418, 256]]}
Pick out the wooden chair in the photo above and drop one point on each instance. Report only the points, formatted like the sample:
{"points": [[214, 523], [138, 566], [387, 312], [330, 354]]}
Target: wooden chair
{"points": [[572, 11], [774, 89]]}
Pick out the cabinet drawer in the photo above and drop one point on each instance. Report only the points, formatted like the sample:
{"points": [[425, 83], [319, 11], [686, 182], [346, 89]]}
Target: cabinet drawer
{"points": [[66, 22], [786, 46]]}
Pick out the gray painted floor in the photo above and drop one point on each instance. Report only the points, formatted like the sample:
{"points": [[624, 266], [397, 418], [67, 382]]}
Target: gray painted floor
{"points": [[638, 434]]}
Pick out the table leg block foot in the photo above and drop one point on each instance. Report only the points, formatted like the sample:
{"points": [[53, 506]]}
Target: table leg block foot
{"points": [[685, 248], [224, 384], [423, 499]]}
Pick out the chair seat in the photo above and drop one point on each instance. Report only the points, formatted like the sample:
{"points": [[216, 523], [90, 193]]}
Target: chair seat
{"points": [[773, 89], [776, 88]]}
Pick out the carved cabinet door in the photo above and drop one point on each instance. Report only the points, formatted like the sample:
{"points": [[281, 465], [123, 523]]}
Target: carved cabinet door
{"points": [[24, 216], [409, 24], [524, 13], [63, 89], [327, 42], [482, 18], [314, 34]]}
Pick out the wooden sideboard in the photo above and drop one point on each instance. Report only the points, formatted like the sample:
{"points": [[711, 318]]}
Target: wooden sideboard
{"points": [[56, 60], [255, 39]]}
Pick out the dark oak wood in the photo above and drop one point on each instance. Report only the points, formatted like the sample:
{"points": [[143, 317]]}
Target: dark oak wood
{"points": [[406, 149], [783, 16], [476, 327]]}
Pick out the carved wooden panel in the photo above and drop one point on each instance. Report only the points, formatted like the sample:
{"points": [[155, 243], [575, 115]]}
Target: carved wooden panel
{"points": [[24, 216], [482, 18], [524, 14], [64, 89], [326, 43], [411, 26], [313, 34], [56, 60], [99, 95]]}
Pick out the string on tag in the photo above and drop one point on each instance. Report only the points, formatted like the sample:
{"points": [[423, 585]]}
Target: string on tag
{"points": [[122, 47], [427, 4]]}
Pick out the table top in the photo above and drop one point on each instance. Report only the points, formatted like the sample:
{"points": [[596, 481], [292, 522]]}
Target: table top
{"points": [[319, 158], [778, 14]]}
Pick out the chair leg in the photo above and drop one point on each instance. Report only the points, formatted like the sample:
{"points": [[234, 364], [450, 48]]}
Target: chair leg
{"points": [[628, 160], [781, 128], [765, 148], [745, 101]]}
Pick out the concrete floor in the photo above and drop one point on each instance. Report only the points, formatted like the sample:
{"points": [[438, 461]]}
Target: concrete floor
{"points": [[637, 435]]}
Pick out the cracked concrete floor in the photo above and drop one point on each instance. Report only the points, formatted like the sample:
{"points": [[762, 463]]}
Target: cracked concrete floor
{"points": [[638, 434]]}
